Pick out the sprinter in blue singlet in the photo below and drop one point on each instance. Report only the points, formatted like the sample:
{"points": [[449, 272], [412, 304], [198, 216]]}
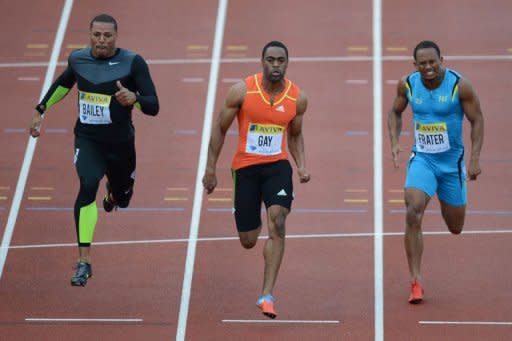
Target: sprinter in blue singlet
{"points": [[439, 99]]}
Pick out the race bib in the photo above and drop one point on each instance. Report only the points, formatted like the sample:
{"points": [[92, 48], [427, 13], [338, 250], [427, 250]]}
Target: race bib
{"points": [[94, 108], [264, 139], [431, 137]]}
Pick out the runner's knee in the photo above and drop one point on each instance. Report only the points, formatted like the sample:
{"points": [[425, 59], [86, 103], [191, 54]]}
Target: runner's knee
{"points": [[250, 238], [87, 192], [277, 220]]}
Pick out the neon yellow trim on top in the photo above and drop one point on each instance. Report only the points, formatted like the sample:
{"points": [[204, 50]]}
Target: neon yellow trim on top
{"points": [[285, 95], [137, 105], [408, 89], [57, 96], [455, 91], [87, 222]]}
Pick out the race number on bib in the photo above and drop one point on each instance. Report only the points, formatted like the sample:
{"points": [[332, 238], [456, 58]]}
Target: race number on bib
{"points": [[432, 137], [264, 139], [94, 108]]}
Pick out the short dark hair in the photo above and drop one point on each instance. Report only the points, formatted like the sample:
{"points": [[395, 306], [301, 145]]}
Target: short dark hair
{"points": [[426, 44], [105, 18], [274, 43]]}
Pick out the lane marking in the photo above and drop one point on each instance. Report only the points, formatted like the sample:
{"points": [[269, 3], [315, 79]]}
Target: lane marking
{"points": [[196, 48], [56, 130], [357, 48], [356, 81], [14, 130], [198, 194], [29, 79], [31, 145], [41, 188], [356, 190], [175, 199], [231, 80], [75, 46], [192, 79], [306, 210], [396, 201], [475, 323], [88, 320], [184, 61], [378, 215], [177, 189], [468, 212], [284, 321], [356, 133], [37, 46], [185, 131], [39, 198], [220, 199], [3, 198], [396, 48], [263, 237], [237, 48], [356, 201], [129, 209]]}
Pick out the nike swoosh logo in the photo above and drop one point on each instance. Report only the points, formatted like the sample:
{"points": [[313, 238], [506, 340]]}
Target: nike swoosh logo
{"points": [[113, 63]]}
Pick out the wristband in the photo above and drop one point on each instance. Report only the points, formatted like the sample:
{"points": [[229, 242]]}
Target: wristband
{"points": [[40, 109]]}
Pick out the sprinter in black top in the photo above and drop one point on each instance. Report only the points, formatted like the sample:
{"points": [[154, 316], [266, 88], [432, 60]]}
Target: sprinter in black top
{"points": [[110, 81]]}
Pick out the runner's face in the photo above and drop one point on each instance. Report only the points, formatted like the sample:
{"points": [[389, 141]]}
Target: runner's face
{"points": [[428, 63], [274, 64], [103, 39]]}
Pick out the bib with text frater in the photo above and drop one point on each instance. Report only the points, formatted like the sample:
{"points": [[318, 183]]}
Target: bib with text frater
{"points": [[264, 139], [94, 108], [431, 137]]}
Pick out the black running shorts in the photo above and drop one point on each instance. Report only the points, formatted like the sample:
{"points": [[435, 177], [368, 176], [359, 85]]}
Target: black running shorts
{"points": [[270, 183]]}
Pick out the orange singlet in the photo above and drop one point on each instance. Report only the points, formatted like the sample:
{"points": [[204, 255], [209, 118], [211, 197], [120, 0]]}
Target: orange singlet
{"points": [[262, 127]]}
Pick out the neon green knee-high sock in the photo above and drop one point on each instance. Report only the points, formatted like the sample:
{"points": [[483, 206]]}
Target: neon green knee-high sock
{"points": [[87, 222]]}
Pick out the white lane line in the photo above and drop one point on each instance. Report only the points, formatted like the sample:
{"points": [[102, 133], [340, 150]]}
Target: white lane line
{"points": [[264, 237], [29, 152], [378, 215], [198, 194], [292, 59], [475, 323], [284, 321], [86, 320]]}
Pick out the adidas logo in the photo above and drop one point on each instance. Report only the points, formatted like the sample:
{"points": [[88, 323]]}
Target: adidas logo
{"points": [[280, 108], [282, 193]]}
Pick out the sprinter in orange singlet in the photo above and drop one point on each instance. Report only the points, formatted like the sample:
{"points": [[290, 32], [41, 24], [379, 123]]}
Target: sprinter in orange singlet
{"points": [[269, 109]]}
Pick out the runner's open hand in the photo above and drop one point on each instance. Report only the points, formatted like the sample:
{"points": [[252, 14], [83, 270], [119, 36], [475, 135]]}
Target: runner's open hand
{"points": [[395, 150]]}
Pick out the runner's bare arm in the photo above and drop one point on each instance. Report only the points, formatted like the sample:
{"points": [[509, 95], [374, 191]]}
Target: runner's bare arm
{"points": [[395, 119], [471, 106], [228, 112], [296, 138]]}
